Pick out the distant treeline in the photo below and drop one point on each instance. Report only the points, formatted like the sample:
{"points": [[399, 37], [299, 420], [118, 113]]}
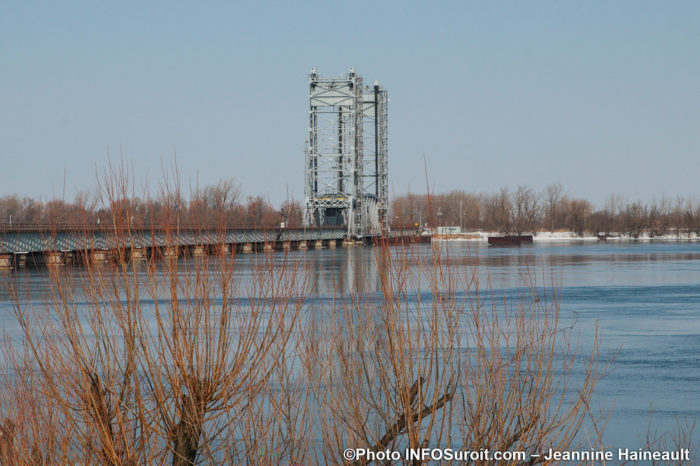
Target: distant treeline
{"points": [[524, 210], [218, 204], [519, 210]]}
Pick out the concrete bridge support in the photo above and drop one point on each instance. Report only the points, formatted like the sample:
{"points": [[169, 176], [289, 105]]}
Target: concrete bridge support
{"points": [[287, 245], [222, 249], [5, 261], [171, 252], [136, 254], [53, 258], [318, 244], [198, 251], [247, 248], [348, 242], [302, 246], [331, 243], [99, 256], [20, 260], [269, 247]]}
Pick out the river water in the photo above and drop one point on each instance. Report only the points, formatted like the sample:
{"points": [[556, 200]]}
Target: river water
{"points": [[644, 297]]}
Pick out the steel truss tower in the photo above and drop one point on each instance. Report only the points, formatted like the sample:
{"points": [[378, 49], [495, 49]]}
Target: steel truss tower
{"points": [[346, 155]]}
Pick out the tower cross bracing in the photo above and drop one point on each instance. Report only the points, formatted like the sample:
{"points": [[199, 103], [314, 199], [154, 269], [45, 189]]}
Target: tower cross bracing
{"points": [[346, 155]]}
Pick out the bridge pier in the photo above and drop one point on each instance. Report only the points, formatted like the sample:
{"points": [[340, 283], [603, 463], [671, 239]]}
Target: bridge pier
{"points": [[53, 258], [136, 254], [5, 261], [223, 250], [247, 248], [348, 242], [318, 244], [171, 252], [302, 246], [331, 243], [287, 245], [198, 251], [20, 260], [99, 256], [269, 247]]}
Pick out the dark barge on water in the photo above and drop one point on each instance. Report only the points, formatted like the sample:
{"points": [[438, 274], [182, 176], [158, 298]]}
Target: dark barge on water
{"points": [[510, 240]]}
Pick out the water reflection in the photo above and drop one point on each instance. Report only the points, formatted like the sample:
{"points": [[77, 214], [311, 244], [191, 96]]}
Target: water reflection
{"points": [[352, 270]]}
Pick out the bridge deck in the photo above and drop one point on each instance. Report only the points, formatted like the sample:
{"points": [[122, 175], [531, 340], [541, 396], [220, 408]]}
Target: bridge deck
{"points": [[39, 240]]}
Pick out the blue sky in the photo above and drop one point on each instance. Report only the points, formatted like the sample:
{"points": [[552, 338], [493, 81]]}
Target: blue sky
{"points": [[603, 97]]}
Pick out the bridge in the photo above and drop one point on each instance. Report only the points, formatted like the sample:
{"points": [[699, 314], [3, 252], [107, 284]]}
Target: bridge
{"points": [[347, 178], [346, 191], [61, 245]]}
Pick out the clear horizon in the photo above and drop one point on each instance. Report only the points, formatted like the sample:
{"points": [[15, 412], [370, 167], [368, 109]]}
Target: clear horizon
{"points": [[601, 97]]}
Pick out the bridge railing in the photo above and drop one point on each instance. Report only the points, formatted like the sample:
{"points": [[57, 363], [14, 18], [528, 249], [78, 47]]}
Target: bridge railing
{"points": [[107, 228]]}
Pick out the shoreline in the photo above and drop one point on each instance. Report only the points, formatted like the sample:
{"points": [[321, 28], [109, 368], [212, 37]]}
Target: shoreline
{"points": [[565, 236]]}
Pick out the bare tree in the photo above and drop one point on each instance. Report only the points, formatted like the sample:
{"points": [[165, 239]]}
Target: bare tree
{"points": [[223, 196], [634, 218], [498, 211], [553, 195], [577, 213], [658, 220], [10, 210], [526, 210], [153, 369], [614, 204]]}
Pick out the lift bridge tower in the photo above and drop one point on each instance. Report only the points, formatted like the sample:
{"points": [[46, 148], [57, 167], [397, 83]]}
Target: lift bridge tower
{"points": [[346, 155]]}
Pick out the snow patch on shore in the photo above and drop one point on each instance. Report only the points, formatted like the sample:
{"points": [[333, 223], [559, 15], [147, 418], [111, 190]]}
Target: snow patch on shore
{"points": [[647, 237], [562, 236], [553, 236]]}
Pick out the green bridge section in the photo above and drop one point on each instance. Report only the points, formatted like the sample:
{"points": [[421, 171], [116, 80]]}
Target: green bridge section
{"points": [[41, 240], [57, 246]]}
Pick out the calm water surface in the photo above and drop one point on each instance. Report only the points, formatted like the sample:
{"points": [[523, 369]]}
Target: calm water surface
{"points": [[644, 298]]}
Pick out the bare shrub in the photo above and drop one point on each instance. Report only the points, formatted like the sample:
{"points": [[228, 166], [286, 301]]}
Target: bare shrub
{"points": [[386, 369], [146, 363], [516, 393]]}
